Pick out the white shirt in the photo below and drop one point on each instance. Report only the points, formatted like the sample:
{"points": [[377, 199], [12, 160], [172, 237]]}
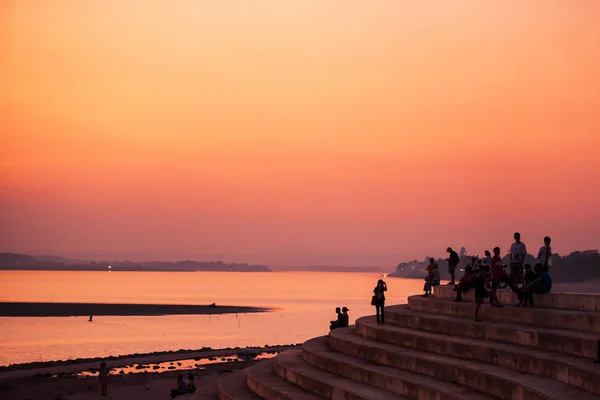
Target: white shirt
{"points": [[518, 251], [543, 255]]}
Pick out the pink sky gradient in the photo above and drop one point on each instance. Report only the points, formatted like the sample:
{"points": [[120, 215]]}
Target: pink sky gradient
{"points": [[314, 132]]}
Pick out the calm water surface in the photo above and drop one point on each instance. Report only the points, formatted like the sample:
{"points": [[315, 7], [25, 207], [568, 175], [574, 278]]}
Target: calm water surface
{"points": [[306, 300]]}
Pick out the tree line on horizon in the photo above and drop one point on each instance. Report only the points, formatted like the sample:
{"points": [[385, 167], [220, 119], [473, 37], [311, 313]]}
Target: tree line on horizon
{"points": [[577, 266]]}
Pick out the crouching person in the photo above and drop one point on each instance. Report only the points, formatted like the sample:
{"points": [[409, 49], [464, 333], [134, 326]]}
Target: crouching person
{"points": [[541, 285]]}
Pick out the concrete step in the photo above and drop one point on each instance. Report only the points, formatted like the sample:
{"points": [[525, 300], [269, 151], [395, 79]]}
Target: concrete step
{"points": [[264, 382], [291, 367], [579, 344], [234, 387], [501, 382], [558, 301], [412, 385], [581, 321], [571, 370]]}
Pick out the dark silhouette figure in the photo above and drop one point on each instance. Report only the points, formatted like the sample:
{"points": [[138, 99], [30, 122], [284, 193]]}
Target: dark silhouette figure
{"points": [[379, 300], [541, 284], [545, 254], [91, 316], [103, 379], [344, 318], [191, 387], [518, 252], [465, 284], [336, 323], [453, 261], [181, 387]]}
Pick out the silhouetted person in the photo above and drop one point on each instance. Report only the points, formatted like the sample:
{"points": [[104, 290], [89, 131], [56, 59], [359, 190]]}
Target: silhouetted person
{"points": [[191, 387], [432, 279], [379, 300], [453, 261], [336, 323], [518, 252], [465, 284], [181, 387], [545, 254], [344, 318], [91, 316], [499, 275], [487, 259], [542, 284], [103, 378]]}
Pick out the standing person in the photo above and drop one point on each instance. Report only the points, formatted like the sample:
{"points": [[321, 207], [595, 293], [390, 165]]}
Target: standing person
{"points": [[379, 300], [487, 259], [103, 378], [545, 254], [518, 252], [453, 261], [498, 275]]}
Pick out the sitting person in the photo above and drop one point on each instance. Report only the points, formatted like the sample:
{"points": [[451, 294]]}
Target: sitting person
{"points": [[432, 280], [181, 387], [344, 320], [336, 323], [540, 285], [465, 284], [191, 387]]}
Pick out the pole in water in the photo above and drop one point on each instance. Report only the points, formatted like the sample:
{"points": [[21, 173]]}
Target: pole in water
{"points": [[91, 316]]}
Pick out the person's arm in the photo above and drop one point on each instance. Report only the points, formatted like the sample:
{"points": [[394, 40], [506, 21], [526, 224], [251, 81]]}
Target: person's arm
{"points": [[384, 286]]}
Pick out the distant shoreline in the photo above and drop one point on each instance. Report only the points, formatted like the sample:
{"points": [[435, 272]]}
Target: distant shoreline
{"points": [[22, 309]]}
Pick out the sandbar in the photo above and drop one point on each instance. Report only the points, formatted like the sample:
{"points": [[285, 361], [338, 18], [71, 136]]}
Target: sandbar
{"points": [[14, 309]]}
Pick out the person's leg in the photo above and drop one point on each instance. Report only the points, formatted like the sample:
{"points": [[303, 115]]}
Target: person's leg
{"points": [[452, 275], [427, 288], [382, 313], [377, 311]]}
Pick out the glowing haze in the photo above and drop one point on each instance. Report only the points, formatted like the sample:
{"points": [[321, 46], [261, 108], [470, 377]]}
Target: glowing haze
{"points": [[297, 132]]}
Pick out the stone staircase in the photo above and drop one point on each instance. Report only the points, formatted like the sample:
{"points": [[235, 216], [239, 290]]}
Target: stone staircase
{"points": [[432, 349]]}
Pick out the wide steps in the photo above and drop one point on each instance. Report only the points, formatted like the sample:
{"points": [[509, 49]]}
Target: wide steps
{"points": [[561, 367], [569, 342], [263, 381], [545, 318], [557, 301], [501, 382], [412, 385], [291, 366], [234, 387]]}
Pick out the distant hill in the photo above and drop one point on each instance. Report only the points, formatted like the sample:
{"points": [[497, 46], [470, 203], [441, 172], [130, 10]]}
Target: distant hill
{"points": [[330, 268], [24, 262]]}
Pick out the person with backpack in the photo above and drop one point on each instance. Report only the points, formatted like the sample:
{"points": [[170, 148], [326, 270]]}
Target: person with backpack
{"points": [[453, 261]]}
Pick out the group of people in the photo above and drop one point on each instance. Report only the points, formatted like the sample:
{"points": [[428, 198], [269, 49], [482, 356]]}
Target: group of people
{"points": [[490, 273], [343, 319]]}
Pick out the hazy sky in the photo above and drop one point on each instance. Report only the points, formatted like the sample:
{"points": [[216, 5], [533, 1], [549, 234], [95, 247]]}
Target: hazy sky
{"points": [[298, 132]]}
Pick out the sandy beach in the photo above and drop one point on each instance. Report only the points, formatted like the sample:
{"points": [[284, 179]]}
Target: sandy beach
{"points": [[147, 386], [22, 309]]}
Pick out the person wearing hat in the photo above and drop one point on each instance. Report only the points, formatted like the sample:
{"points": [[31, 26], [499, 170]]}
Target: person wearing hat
{"points": [[344, 318], [453, 261]]}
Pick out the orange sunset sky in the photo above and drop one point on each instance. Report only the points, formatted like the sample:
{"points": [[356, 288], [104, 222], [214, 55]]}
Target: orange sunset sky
{"points": [[298, 132]]}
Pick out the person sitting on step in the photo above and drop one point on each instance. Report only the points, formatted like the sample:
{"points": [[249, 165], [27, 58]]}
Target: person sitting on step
{"points": [[432, 279], [465, 284], [542, 284], [337, 323]]}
